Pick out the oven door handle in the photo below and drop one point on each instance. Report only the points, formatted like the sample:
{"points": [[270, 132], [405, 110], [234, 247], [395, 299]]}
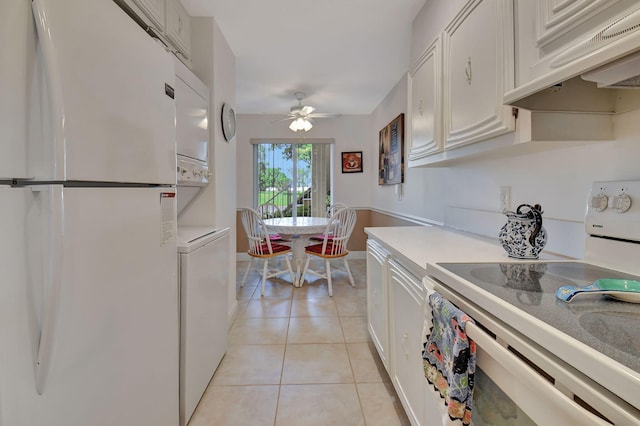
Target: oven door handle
{"points": [[517, 368]]}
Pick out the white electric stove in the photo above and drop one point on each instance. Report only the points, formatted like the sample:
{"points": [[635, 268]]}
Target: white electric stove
{"points": [[588, 349]]}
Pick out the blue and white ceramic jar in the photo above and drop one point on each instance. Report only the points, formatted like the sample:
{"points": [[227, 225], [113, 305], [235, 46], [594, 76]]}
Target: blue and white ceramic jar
{"points": [[523, 236]]}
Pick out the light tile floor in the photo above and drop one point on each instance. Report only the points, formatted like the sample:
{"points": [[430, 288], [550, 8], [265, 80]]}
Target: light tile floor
{"points": [[299, 357]]}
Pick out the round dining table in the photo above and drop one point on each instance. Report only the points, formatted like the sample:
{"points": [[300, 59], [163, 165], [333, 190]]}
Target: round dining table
{"points": [[298, 230]]}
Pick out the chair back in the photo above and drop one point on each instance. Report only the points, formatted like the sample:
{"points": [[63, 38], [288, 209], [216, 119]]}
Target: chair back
{"points": [[333, 208], [256, 230], [338, 232], [268, 211]]}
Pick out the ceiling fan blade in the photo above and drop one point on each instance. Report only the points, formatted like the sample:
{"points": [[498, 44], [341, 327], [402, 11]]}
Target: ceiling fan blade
{"points": [[324, 115], [306, 110], [283, 119]]}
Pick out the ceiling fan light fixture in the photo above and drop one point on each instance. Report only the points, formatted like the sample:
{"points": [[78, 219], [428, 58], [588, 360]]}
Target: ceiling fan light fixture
{"points": [[300, 124]]}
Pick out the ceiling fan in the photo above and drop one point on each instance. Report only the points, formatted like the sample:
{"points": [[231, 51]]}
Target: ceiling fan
{"points": [[301, 116]]}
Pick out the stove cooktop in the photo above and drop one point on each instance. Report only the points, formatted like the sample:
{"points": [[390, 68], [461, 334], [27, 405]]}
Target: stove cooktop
{"points": [[609, 326]]}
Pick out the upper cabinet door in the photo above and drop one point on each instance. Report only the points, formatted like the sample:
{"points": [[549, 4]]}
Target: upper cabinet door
{"points": [[425, 105], [155, 10], [559, 39], [179, 27], [557, 17], [478, 47]]}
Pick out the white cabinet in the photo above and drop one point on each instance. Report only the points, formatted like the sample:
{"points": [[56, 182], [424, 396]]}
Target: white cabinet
{"points": [[478, 48], [395, 297], [558, 40], [168, 19], [456, 87], [554, 18], [406, 299], [155, 10], [377, 312], [179, 27], [425, 105]]}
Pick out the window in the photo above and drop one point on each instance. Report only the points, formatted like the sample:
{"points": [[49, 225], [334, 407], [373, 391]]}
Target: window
{"points": [[300, 190]]}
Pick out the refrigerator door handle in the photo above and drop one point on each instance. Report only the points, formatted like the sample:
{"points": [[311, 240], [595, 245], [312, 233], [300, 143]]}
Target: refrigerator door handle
{"points": [[52, 281], [55, 119]]}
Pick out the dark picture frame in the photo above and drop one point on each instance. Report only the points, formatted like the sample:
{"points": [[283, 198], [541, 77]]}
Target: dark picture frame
{"points": [[352, 162], [391, 152]]}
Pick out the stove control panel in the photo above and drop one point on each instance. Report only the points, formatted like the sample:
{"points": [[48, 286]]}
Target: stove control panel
{"points": [[613, 210], [191, 172]]}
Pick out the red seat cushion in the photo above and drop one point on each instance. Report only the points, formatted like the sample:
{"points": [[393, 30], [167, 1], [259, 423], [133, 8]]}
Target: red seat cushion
{"points": [[317, 248], [275, 247], [275, 237], [320, 237]]}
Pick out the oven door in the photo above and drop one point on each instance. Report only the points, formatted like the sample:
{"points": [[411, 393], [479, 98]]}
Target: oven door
{"points": [[510, 390]]}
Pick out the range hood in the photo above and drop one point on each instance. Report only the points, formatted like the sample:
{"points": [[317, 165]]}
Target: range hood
{"points": [[623, 73], [605, 60]]}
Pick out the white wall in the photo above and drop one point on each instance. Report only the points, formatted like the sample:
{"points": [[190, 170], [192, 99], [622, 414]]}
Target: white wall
{"points": [[350, 132], [215, 205], [419, 196]]}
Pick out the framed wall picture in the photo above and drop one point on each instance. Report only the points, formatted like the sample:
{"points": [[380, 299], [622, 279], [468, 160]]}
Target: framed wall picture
{"points": [[352, 162], [391, 151]]}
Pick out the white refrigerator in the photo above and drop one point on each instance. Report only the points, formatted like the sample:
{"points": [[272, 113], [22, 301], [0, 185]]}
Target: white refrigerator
{"points": [[88, 266]]}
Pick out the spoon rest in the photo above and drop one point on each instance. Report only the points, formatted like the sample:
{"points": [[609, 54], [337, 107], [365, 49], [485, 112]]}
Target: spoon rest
{"points": [[625, 290]]}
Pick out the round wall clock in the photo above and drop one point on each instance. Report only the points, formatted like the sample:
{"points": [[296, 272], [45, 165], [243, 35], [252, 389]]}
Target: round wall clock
{"points": [[228, 122]]}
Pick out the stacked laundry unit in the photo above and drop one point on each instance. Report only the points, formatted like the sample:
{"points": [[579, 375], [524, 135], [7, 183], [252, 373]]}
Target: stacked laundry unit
{"points": [[203, 252]]}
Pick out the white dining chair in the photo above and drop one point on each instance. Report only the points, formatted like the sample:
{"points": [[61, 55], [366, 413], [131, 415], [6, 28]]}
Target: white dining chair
{"points": [[331, 210], [269, 211], [333, 246], [261, 247]]}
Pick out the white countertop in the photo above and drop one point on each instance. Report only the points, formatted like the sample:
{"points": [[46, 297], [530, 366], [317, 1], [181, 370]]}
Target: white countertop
{"points": [[431, 244]]}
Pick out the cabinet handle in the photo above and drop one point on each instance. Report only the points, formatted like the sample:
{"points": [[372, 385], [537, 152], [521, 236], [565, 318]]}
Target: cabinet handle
{"points": [[467, 70], [180, 24], [421, 107], [404, 346]]}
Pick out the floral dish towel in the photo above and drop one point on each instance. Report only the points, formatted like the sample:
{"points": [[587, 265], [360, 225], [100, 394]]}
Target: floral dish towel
{"points": [[449, 357]]}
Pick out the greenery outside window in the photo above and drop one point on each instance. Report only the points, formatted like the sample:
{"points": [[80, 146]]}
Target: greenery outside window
{"points": [[295, 176]]}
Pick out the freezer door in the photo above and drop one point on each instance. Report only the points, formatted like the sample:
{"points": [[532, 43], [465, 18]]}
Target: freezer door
{"points": [[103, 349], [18, 84], [19, 326], [109, 96]]}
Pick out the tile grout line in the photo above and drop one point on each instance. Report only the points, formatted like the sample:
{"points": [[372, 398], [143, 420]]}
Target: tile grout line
{"points": [[284, 357]]}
